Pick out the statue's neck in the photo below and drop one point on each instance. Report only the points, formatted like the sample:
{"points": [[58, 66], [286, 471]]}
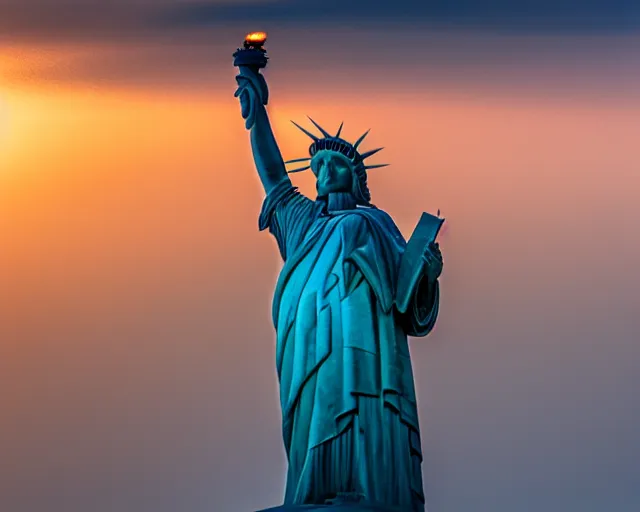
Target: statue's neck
{"points": [[338, 201]]}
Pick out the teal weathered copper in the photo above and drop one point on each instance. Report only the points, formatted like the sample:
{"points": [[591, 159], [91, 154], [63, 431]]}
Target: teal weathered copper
{"points": [[349, 294]]}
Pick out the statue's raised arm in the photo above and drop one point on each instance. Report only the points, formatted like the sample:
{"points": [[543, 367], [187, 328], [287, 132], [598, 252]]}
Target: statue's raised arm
{"points": [[253, 94]]}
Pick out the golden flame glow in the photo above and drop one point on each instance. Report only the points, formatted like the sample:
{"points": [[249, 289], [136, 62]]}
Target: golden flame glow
{"points": [[256, 37]]}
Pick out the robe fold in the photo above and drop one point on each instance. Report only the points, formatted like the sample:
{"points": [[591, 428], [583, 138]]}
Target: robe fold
{"points": [[349, 413]]}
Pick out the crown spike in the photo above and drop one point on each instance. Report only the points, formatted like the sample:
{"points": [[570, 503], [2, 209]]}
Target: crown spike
{"points": [[339, 130], [316, 139], [357, 143], [375, 166], [369, 153], [298, 160], [300, 169], [322, 130]]}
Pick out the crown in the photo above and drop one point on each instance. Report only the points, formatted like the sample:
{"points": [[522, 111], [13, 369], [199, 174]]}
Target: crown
{"points": [[335, 143]]}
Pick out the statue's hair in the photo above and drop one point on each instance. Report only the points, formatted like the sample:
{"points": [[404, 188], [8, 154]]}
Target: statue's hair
{"points": [[335, 143], [360, 188]]}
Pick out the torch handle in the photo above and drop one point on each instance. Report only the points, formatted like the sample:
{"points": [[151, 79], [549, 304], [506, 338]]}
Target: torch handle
{"points": [[256, 81]]}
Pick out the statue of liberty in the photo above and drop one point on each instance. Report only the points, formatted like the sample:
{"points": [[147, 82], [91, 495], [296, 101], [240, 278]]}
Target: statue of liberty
{"points": [[343, 308]]}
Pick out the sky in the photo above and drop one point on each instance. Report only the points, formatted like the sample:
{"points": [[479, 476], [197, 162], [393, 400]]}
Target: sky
{"points": [[136, 349]]}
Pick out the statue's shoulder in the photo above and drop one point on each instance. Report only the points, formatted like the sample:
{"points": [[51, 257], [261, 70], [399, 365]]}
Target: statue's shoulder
{"points": [[383, 220], [376, 214]]}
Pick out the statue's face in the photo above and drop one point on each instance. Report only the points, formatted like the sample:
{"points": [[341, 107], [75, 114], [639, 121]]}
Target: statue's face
{"points": [[334, 172]]}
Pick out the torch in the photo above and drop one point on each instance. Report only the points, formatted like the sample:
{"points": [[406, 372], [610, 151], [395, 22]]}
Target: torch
{"points": [[250, 60], [252, 55]]}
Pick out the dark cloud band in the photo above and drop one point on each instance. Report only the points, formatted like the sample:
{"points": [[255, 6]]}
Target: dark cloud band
{"points": [[43, 20]]}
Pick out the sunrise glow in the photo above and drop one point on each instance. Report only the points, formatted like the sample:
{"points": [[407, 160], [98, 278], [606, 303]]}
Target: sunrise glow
{"points": [[4, 130]]}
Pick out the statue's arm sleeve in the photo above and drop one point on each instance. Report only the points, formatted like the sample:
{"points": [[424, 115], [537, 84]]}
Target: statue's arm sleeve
{"points": [[287, 214], [423, 309]]}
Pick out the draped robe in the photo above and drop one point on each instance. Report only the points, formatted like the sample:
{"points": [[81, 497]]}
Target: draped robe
{"points": [[349, 414]]}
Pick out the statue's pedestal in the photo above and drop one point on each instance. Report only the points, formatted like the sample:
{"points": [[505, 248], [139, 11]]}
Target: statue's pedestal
{"points": [[355, 507], [342, 507], [344, 502]]}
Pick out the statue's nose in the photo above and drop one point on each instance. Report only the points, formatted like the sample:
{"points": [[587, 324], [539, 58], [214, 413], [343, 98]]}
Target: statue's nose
{"points": [[329, 168], [326, 171]]}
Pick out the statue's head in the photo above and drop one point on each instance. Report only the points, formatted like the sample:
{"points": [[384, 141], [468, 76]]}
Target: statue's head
{"points": [[333, 171], [337, 164]]}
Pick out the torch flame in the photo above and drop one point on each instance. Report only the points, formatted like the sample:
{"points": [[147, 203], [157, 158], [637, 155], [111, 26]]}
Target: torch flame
{"points": [[256, 37]]}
